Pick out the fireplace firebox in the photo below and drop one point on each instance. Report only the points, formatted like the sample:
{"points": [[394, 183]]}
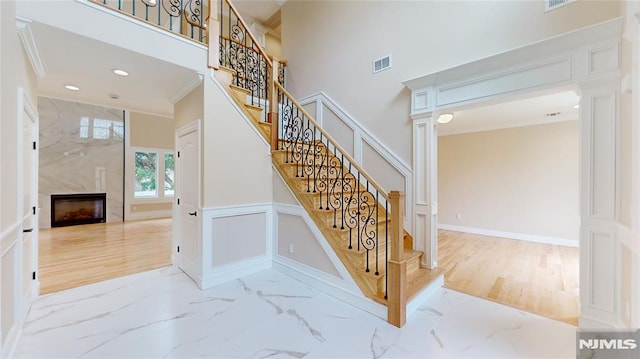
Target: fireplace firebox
{"points": [[75, 209]]}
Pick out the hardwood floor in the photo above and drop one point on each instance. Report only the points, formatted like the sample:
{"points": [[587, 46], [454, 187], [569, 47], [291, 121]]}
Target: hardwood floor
{"points": [[535, 277], [79, 255]]}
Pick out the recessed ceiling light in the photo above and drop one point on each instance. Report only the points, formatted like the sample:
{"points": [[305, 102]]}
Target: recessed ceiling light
{"points": [[576, 106], [445, 118], [120, 72], [72, 87]]}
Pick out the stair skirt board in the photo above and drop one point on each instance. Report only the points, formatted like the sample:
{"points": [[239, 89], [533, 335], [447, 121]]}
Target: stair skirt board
{"points": [[319, 281]]}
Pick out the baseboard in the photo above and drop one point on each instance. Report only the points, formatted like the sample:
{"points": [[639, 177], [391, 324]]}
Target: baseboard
{"points": [[314, 278], [588, 323], [233, 271], [11, 342], [135, 216], [511, 235], [422, 296]]}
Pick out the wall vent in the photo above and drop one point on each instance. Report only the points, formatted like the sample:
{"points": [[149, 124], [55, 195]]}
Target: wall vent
{"points": [[382, 64], [554, 4]]}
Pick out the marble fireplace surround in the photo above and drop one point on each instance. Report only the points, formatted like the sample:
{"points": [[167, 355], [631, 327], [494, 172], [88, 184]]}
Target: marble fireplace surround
{"points": [[81, 151]]}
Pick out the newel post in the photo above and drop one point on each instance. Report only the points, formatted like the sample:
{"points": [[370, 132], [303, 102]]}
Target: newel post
{"points": [[213, 36], [273, 103], [397, 267]]}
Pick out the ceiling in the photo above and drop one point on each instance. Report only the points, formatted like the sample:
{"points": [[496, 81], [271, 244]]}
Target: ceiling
{"points": [[153, 84], [88, 64], [538, 110], [262, 10]]}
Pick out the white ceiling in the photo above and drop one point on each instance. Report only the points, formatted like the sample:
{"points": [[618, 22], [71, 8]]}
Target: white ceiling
{"points": [[74, 59], [261, 10], [517, 113]]}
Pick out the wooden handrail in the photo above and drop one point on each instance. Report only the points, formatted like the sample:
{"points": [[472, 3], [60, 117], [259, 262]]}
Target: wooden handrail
{"points": [[378, 188], [246, 28]]}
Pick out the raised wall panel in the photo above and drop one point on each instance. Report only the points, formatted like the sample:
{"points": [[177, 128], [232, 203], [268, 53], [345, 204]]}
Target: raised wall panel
{"points": [[237, 238], [420, 163], [603, 156], [603, 59], [420, 101], [602, 265]]}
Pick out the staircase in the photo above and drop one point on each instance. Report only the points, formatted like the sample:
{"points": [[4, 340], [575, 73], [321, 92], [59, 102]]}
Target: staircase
{"points": [[361, 221], [348, 210]]}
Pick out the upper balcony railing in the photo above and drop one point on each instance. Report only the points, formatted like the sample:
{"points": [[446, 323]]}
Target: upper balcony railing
{"points": [[183, 17]]}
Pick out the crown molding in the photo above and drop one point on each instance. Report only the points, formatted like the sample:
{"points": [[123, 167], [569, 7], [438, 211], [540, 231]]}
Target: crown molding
{"points": [[23, 27], [184, 91]]}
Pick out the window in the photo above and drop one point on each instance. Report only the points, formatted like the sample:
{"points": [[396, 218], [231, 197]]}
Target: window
{"points": [[169, 171], [148, 169], [100, 129]]}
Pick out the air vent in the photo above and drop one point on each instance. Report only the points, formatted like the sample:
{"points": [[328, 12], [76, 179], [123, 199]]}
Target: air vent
{"points": [[382, 64], [554, 4]]}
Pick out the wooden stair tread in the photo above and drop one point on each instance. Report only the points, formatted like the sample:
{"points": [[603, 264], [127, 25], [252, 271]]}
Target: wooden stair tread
{"points": [[239, 89], [421, 279], [372, 284], [227, 69]]}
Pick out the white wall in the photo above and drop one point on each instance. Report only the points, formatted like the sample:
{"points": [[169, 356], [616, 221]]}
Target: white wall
{"points": [[330, 46], [521, 180]]}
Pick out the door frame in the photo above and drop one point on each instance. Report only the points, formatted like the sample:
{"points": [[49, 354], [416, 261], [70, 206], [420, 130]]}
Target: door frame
{"points": [[194, 126], [589, 59]]}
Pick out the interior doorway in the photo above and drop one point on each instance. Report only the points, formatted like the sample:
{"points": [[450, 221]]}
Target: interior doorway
{"points": [[508, 193]]}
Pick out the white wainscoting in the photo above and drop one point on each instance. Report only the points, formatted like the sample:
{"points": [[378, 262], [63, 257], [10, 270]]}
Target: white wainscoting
{"points": [[10, 294], [257, 216], [362, 138]]}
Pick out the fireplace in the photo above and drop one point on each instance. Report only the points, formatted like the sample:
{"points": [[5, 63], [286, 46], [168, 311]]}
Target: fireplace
{"points": [[74, 209]]}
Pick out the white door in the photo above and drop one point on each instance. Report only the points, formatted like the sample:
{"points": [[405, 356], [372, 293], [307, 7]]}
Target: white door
{"points": [[28, 193], [186, 236]]}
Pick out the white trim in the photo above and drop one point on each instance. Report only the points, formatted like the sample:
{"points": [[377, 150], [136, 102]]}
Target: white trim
{"points": [[239, 210], [23, 26], [186, 89], [362, 135], [166, 32], [241, 112], [314, 278], [233, 271], [418, 300], [289, 209], [165, 213], [6, 242], [11, 341], [212, 275], [371, 139], [512, 235]]}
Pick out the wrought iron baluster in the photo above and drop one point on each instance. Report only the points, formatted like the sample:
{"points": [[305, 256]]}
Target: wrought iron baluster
{"points": [[386, 247], [377, 233]]}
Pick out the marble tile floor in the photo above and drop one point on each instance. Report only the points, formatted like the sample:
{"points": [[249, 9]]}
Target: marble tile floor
{"points": [[162, 314]]}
